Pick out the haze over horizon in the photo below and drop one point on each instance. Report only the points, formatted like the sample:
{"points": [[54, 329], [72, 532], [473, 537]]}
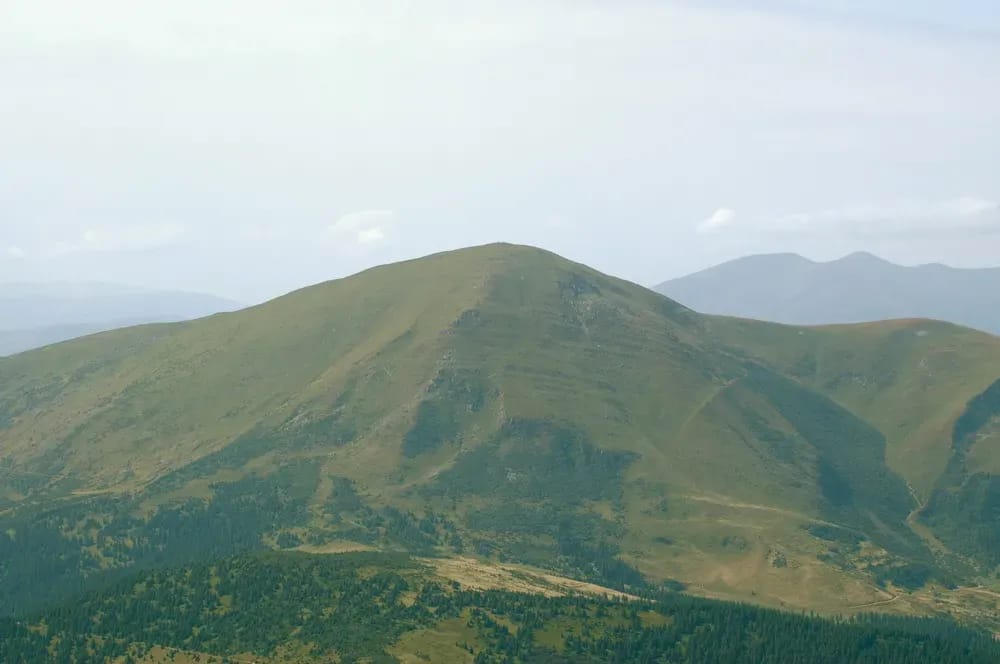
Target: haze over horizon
{"points": [[246, 149]]}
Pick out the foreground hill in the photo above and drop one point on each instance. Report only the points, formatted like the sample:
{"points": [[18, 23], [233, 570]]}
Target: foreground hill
{"points": [[386, 608], [506, 404], [787, 288], [35, 315]]}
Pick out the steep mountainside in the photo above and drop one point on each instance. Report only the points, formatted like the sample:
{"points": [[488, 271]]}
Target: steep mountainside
{"points": [[787, 288], [35, 315], [503, 403]]}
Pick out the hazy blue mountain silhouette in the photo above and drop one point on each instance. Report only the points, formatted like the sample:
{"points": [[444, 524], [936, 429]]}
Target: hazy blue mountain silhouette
{"points": [[34, 315], [788, 288]]}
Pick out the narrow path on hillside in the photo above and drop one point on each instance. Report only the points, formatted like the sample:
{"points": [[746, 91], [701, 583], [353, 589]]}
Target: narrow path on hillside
{"points": [[725, 502], [712, 396], [805, 517], [937, 547], [872, 605], [911, 518], [982, 590], [918, 528]]}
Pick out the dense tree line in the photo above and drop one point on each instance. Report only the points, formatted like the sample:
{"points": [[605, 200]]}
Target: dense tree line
{"points": [[47, 557], [357, 605]]}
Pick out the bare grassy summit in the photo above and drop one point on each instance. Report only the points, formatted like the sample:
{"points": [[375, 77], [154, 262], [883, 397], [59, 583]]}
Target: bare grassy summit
{"points": [[505, 404]]}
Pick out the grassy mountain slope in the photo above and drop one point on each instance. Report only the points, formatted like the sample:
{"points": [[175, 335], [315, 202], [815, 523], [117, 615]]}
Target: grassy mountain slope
{"points": [[931, 387], [911, 378], [499, 402], [200, 385]]}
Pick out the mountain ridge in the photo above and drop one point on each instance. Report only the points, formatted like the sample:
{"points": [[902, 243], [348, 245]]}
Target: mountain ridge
{"points": [[859, 287], [502, 402]]}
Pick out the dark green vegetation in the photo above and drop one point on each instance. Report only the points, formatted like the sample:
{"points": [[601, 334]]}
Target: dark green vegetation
{"points": [[503, 403], [41, 566], [965, 507], [440, 416], [296, 607], [854, 482]]}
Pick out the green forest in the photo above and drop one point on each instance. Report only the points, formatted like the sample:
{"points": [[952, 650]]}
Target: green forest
{"points": [[355, 607]]}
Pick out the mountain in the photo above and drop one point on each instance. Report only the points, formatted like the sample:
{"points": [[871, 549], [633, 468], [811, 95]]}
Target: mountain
{"points": [[787, 288], [35, 315], [503, 404]]}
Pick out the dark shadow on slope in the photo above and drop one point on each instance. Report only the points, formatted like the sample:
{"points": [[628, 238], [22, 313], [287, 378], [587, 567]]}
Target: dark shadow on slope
{"points": [[964, 510]]}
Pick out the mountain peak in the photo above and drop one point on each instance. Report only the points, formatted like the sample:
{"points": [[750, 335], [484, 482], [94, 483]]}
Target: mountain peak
{"points": [[786, 257], [499, 401], [862, 258]]}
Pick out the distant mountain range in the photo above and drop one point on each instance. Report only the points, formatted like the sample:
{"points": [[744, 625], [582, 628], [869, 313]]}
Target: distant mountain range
{"points": [[787, 288], [35, 315]]}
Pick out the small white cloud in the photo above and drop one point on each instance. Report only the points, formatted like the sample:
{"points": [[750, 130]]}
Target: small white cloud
{"points": [[720, 219], [16, 252], [111, 239], [365, 227], [371, 235]]}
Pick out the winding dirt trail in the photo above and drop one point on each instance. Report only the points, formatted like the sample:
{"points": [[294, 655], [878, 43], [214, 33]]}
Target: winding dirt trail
{"points": [[872, 605]]}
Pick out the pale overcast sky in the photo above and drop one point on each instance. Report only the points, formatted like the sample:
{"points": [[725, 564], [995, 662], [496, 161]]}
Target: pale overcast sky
{"points": [[246, 148]]}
